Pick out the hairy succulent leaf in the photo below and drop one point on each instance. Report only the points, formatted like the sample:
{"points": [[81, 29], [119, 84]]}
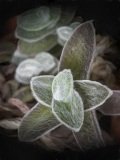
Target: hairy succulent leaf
{"points": [[78, 51], [41, 87], [62, 86], [90, 135], [70, 113], [93, 93], [112, 105], [38, 121]]}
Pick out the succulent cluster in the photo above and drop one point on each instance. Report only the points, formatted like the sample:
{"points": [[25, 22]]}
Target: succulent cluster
{"points": [[68, 99]]}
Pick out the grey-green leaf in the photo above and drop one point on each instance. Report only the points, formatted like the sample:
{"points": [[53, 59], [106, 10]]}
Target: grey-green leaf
{"points": [[93, 93], [89, 136], [37, 122], [41, 87], [62, 86], [71, 113], [77, 53], [112, 105], [39, 18], [42, 45]]}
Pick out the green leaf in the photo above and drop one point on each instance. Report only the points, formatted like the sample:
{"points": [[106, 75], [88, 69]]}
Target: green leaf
{"points": [[32, 37], [93, 93], [41, 87], [112, 105], [42, 45], [89, 136], [78, 51], [70, 113], [39, 18], [37, 122], [62, 86]]}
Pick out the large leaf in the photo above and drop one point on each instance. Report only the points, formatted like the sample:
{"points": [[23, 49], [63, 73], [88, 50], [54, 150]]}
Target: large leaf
{"points": [[78, 51], [89, 136], [62, 86], [38, 121], [112, 105], [93, 93], [70, 113], [41, 87]]}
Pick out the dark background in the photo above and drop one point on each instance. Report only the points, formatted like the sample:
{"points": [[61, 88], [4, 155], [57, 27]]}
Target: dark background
{"points": [[106, 16], [105, 13]]}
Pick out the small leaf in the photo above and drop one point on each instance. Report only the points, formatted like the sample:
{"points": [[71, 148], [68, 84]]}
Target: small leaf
{"points": [[70, 113], [93, 93], [62, 86], [38, 121], [78, 51], [46, 60], [26, 70], [112, 105], [39, 18], [63, 34], [41, 87]]}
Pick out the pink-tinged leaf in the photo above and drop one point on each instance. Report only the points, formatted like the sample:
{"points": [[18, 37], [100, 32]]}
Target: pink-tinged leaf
{"points": [[112, 105], [77, 53]]}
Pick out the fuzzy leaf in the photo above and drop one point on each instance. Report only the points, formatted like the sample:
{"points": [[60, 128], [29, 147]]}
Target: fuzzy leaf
{"points": [[93, 93], [70, 113], [41, 87], [90, 135], [78, 51], [38, 121], [112, 105], [62, 86]]}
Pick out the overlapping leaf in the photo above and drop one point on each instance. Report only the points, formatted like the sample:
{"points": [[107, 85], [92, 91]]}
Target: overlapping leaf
{"points": [[38, 121], [62, 86], [93, 93], [112, 105], [39, 18], [78, 52], [41, 87], [89, 136], [70, 113]]}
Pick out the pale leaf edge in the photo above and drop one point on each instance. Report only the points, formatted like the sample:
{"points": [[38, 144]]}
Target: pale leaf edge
{"points": [[110, 92], [33, 92], [38, 137]]}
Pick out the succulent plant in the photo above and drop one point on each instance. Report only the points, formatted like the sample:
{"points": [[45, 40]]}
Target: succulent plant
{"points": [[68, 99]]}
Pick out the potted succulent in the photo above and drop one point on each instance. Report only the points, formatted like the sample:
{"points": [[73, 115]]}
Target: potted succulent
{"points": [[66, 113]]}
